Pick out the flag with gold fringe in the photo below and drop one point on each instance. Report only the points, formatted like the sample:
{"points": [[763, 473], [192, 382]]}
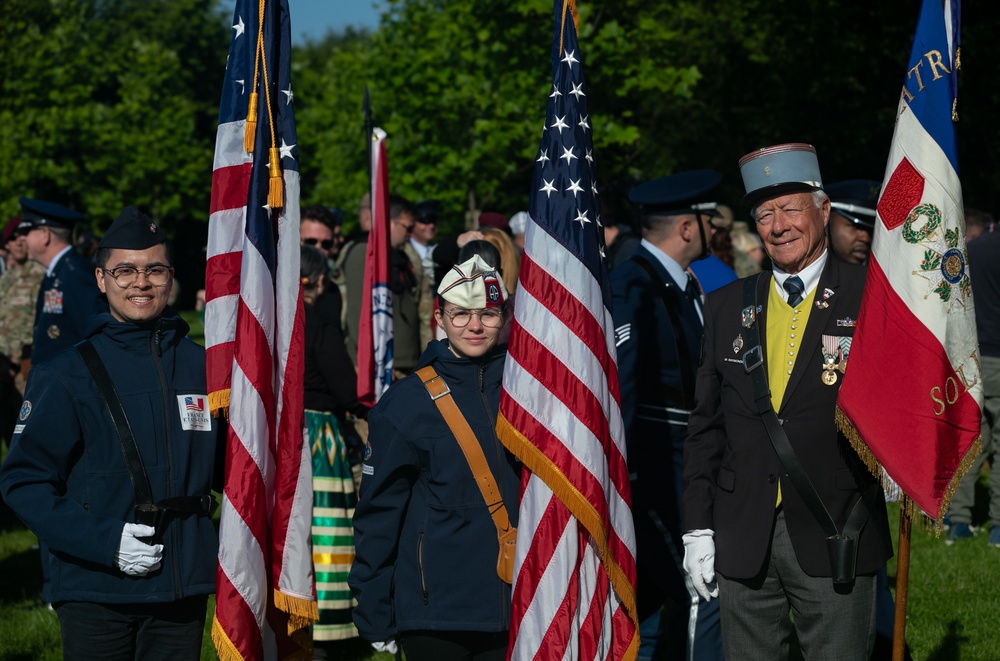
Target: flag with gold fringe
{"points": [[574, 581], [911, 401], [254, 337]]}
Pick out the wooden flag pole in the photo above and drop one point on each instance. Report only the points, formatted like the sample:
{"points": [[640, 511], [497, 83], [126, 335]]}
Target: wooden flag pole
{"points": [[902, 582]]}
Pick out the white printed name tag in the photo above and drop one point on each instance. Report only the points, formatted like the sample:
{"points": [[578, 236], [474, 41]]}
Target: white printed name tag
{"points": [[194, 412]]}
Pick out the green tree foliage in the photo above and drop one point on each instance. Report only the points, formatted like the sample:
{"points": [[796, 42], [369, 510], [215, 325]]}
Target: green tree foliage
{"points": [[107, 103], [461, 89]]}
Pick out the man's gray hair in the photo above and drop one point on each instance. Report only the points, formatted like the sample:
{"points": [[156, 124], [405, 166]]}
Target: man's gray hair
{"points": [[818, 198]]}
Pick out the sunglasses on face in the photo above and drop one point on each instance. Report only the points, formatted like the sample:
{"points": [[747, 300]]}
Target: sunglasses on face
{"points": [[325, 243]]}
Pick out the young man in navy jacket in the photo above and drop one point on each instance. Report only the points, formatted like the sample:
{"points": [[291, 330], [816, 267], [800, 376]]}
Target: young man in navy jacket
{"points": [[122, 589]]}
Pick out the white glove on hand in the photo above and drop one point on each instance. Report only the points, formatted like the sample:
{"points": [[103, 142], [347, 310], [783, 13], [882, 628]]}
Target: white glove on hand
{"points": [[136, 557], [387, 646], [699, 562]]}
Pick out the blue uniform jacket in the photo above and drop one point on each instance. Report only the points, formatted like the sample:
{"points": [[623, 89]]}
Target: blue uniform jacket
{"points": [[66, 478], [426, 546], [67, 300], [656, 371]]}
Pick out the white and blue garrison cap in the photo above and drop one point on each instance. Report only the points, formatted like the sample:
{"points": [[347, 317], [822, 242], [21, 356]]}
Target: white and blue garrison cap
{"points": [[780, 170]]}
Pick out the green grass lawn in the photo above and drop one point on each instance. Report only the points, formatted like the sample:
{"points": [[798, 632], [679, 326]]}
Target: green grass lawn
{"points": [[954, 601]]}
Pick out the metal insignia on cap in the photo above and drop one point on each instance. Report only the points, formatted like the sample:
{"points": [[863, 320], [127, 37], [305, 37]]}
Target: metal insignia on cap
{"points": [[152, 228]]}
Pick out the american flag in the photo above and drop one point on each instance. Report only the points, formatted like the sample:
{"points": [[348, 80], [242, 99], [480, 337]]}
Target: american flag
{"points": [[194, 404], [254, 335], [917, 320], [375, 329], [574, 585]]}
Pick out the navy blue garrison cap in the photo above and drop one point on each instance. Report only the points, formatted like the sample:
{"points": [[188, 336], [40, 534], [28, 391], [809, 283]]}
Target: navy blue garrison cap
{"points": [[677, 194], [37, 213], [133, 230], [855, 200]]}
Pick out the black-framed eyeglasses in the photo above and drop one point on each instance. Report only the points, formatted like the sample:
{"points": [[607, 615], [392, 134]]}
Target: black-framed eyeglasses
{"points": [[489, 317], [325, 243], [125, 276], [408, 228]]}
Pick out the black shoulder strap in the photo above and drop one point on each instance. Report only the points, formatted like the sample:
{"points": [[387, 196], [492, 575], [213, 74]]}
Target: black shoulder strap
{"points": [[105, 386], [754, 366], [684, 360], [130, 450]]}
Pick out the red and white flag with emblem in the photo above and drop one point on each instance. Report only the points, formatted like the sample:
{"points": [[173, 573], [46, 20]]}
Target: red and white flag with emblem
{"points": [[915, 340]]}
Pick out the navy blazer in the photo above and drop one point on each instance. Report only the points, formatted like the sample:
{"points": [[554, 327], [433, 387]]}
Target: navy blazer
{"points": [[731, 470]]}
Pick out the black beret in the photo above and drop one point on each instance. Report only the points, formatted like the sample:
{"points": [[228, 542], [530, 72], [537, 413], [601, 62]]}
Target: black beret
{"points": [[133, 230], [38, 213], [679, 193], [855, 200]]}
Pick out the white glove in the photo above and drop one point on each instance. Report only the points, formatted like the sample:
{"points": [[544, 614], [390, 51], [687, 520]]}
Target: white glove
{"points": [[699, 562], [386, 646], [136, 557]]}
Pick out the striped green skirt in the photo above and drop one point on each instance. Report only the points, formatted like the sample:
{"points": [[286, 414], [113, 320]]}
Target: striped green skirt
{"points": [[334, 499]]}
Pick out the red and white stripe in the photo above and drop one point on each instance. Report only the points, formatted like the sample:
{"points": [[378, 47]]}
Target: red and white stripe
{"points": [[573, 594], [254, 336]]}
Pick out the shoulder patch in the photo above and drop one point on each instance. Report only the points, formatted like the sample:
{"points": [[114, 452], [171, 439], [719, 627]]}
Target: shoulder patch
{"points": [[25, 411]]}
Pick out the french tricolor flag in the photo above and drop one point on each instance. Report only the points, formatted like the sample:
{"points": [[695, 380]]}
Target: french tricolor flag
{"points": [[912, 396]]}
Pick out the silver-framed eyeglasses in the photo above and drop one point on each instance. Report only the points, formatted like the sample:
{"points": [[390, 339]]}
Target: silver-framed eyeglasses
{"points": [[156, 275], [488, 317]]}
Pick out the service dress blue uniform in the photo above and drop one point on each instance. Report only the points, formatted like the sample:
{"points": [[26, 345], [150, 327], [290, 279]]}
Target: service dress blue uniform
{"points": [[67, 300], [658, 332]]}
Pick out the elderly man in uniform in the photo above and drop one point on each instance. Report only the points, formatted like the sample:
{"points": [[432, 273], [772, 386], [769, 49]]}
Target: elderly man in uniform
{"points": [[68, 296], [775, 499], [658, 329], [18, 294], [852, 218], [111, 465]]}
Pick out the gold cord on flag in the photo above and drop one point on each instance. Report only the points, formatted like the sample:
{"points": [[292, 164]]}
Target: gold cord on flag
{"points": [[275, 191], [571, 5], [250, 130]]}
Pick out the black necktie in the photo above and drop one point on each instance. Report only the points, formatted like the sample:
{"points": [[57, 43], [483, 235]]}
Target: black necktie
{"points": [[794, 287], [691, 291]]}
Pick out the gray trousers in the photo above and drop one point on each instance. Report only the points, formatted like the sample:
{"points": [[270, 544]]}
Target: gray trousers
{"points": [[832, 622], [965, 495]]}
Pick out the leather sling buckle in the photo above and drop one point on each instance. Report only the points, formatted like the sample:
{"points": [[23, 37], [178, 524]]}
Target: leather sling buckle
{"points": [[506, 534]]}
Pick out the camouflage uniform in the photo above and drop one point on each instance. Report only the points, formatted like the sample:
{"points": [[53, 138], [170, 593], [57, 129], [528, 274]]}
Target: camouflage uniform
{"points": [[18, 294], [18, 297]]}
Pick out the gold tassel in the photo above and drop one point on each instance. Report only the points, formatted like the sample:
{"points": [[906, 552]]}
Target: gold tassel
{"points": [[250, 133], [275, 193], [218, 402]]}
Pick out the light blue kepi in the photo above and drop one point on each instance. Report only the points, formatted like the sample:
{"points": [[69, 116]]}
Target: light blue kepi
{"points": [[779, 170]]}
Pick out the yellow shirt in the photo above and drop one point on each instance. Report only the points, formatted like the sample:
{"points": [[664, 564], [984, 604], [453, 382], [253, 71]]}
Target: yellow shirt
{"points": [[785, 328]]}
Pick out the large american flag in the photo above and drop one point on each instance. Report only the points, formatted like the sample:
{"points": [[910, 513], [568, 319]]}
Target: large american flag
{"points": [[254, 335], [574, 585], [916, 329], [375, 328]]}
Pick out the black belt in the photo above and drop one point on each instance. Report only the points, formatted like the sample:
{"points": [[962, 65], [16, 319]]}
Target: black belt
{"points": [[841, 546], [146, 511]]}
